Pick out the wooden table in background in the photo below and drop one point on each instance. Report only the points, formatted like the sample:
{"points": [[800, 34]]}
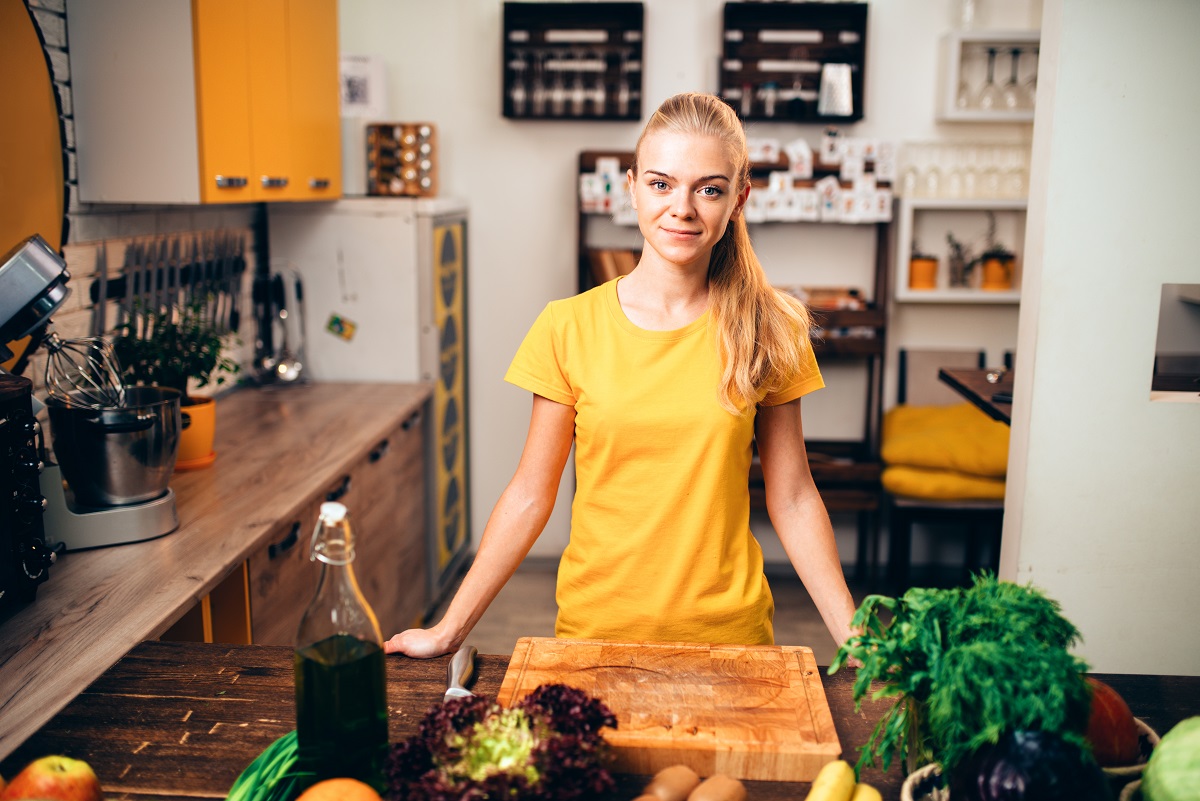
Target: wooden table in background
{"points": [[176, 722], [974, 386]]}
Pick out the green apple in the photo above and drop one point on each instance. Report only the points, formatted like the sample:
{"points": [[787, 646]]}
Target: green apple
{"points": [[54, 778]]}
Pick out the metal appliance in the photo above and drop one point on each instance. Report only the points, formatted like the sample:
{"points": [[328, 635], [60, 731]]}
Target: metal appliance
{"points": [[385, 299], [32, 286], [133, 439]]}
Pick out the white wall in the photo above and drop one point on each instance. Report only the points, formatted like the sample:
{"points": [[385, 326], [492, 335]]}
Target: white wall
{"points": [[1103, 509], [443, 65]]}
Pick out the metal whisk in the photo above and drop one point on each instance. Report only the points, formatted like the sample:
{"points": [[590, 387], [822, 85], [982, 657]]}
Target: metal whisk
{"points": [[83, 372]]}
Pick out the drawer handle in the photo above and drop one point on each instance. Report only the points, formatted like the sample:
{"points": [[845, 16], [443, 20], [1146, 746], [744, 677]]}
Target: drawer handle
{"points": [[318, 183], [342, 489], [231, 181], [281, 547], [274, 182], [411, 420], [379, 451]]}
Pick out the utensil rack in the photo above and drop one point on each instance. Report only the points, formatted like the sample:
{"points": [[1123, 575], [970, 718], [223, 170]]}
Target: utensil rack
{"points": [[773, 54], [580, 61]]}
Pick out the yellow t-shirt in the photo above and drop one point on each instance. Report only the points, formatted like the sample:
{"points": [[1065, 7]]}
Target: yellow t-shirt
{"points": [[660, 546]]}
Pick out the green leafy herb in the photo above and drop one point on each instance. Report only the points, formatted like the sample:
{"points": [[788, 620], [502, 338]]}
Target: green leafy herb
{"points": [[965, 666]]}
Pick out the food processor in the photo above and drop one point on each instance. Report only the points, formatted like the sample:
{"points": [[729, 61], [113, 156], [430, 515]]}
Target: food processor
{"points": [[114, 446]]}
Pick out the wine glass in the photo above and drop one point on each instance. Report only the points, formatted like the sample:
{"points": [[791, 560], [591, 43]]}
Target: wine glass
{"points": [[989, 95], [1013, 96], [1030, 84]]}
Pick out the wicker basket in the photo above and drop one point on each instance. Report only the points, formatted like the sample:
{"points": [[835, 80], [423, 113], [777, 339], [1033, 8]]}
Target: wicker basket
{"points": [[1131, 791], [1147, 740], [924, 784]]}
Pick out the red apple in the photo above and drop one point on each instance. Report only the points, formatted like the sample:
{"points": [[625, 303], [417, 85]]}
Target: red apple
{"points": [[54, 778], [1111, 729]]}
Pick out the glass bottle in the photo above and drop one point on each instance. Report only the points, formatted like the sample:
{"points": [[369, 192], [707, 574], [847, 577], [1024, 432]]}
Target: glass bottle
{"points": [[341, 703]]}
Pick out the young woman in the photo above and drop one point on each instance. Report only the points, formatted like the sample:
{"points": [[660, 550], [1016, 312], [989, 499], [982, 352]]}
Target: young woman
{"points": [[662, 379]]}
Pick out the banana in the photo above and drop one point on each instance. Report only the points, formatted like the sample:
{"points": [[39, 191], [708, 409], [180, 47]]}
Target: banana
{"points": [[835, 782], [865, 792]]}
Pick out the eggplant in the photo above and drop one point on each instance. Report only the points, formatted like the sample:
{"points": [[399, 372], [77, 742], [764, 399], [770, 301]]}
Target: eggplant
{"points": [[1030, 766]]}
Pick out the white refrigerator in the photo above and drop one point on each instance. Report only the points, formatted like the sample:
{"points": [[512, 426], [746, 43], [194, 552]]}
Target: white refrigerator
{"points": [[385, 300]]}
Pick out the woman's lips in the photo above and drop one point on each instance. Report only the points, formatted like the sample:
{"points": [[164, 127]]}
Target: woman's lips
{"points": [[681, 234]]}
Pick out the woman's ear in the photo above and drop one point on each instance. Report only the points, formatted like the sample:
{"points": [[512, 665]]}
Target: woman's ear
{"points": [[741, 201], [630, 183]]}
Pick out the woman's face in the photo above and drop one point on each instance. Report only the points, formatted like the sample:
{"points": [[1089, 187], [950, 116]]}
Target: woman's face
{"points": [[685, 193]]}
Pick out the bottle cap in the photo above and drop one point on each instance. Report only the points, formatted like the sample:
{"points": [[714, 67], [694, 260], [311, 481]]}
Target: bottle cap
{"points": [[333, 512]]}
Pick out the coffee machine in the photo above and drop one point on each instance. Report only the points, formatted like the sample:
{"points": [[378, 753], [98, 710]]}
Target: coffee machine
{"points": [[32, 286], [108, 485]]}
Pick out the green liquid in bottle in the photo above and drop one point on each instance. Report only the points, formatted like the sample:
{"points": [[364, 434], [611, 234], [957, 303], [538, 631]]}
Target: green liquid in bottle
{"points": [[341, 709]]}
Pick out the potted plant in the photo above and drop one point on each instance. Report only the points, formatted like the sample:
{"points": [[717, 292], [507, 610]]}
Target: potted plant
{"points": [[176, 347], [997, 261], [922, 269]]}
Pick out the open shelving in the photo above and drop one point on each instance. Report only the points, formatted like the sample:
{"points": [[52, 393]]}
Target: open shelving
{"points": [[965, 211], [957, 47]]}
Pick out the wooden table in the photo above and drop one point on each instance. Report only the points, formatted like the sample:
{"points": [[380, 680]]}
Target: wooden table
{"points": [[174, 721], [974, 386], [275, 448]]}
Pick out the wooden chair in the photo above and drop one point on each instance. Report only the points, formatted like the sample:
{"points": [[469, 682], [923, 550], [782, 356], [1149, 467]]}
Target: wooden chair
{"points": [[918, 385]]}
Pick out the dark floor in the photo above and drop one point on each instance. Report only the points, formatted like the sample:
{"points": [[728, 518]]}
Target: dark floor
{"points": [[526, 608]]}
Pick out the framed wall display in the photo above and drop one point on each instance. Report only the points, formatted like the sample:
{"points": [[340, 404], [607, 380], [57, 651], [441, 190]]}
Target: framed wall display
{"points": [[799, 62], [567, 61]]}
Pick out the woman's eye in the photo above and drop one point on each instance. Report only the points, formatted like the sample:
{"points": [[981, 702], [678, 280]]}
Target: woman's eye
{"points": [[659, 185], [711, 191]]}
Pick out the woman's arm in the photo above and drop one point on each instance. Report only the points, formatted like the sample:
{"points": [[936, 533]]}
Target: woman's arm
{"points": [[799, 516], [515, 523]]}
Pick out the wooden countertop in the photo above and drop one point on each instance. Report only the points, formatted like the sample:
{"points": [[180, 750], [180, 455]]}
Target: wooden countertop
{"points": [[175, 721], [276, 448]]}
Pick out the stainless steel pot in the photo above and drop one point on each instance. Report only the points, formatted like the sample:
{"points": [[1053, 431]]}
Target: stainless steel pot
{"points": [[118, 456]]}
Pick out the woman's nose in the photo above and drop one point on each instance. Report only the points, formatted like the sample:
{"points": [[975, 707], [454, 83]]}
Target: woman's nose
{"points": [[681, 204]]}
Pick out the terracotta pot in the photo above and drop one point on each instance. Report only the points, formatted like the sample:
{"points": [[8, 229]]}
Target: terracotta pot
{"points": [[922, 273], [196, 437], [997, 274]]}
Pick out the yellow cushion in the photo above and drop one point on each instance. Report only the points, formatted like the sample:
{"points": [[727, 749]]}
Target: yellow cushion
{"points": [[940, 485], [960, 438]]}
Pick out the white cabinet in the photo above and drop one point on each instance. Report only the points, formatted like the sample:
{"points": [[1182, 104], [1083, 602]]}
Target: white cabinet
{"points": [[928, 221], [964, 73]]}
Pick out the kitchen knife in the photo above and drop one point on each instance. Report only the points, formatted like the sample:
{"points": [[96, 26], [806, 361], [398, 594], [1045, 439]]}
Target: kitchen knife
{"points": [[460, 673]]}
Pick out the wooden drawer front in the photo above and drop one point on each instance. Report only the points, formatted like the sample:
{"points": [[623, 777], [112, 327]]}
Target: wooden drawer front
{"points": [[385, 495], [282, 580]]}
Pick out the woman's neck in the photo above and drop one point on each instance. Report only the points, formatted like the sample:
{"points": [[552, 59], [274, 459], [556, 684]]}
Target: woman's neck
{"points": [[660, 297]]}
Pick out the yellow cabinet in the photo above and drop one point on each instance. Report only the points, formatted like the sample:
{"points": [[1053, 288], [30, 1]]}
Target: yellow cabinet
{"points": [[205, 101]]}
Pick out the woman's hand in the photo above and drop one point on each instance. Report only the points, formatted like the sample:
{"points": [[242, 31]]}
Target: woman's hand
{"points": [[419, 643]]}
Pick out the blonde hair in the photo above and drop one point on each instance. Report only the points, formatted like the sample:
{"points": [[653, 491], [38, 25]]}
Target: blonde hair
{"points": [[761, 332]]}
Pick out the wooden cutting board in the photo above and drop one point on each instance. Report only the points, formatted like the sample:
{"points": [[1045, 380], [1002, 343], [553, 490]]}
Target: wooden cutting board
{"points": [[749, 711]]}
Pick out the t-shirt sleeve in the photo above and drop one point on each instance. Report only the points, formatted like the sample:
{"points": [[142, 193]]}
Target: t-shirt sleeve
{"points": [[538, 365], [807, 379]]}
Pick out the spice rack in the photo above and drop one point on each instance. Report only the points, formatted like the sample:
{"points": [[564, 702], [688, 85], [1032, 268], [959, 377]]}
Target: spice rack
{"points": [[565, 61], [774, 54], [402, 159]]}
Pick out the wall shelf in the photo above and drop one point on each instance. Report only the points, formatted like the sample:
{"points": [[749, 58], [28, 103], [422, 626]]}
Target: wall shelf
{"points": [[968, 213], [773, 55], [572, 61], [963, 54]]}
